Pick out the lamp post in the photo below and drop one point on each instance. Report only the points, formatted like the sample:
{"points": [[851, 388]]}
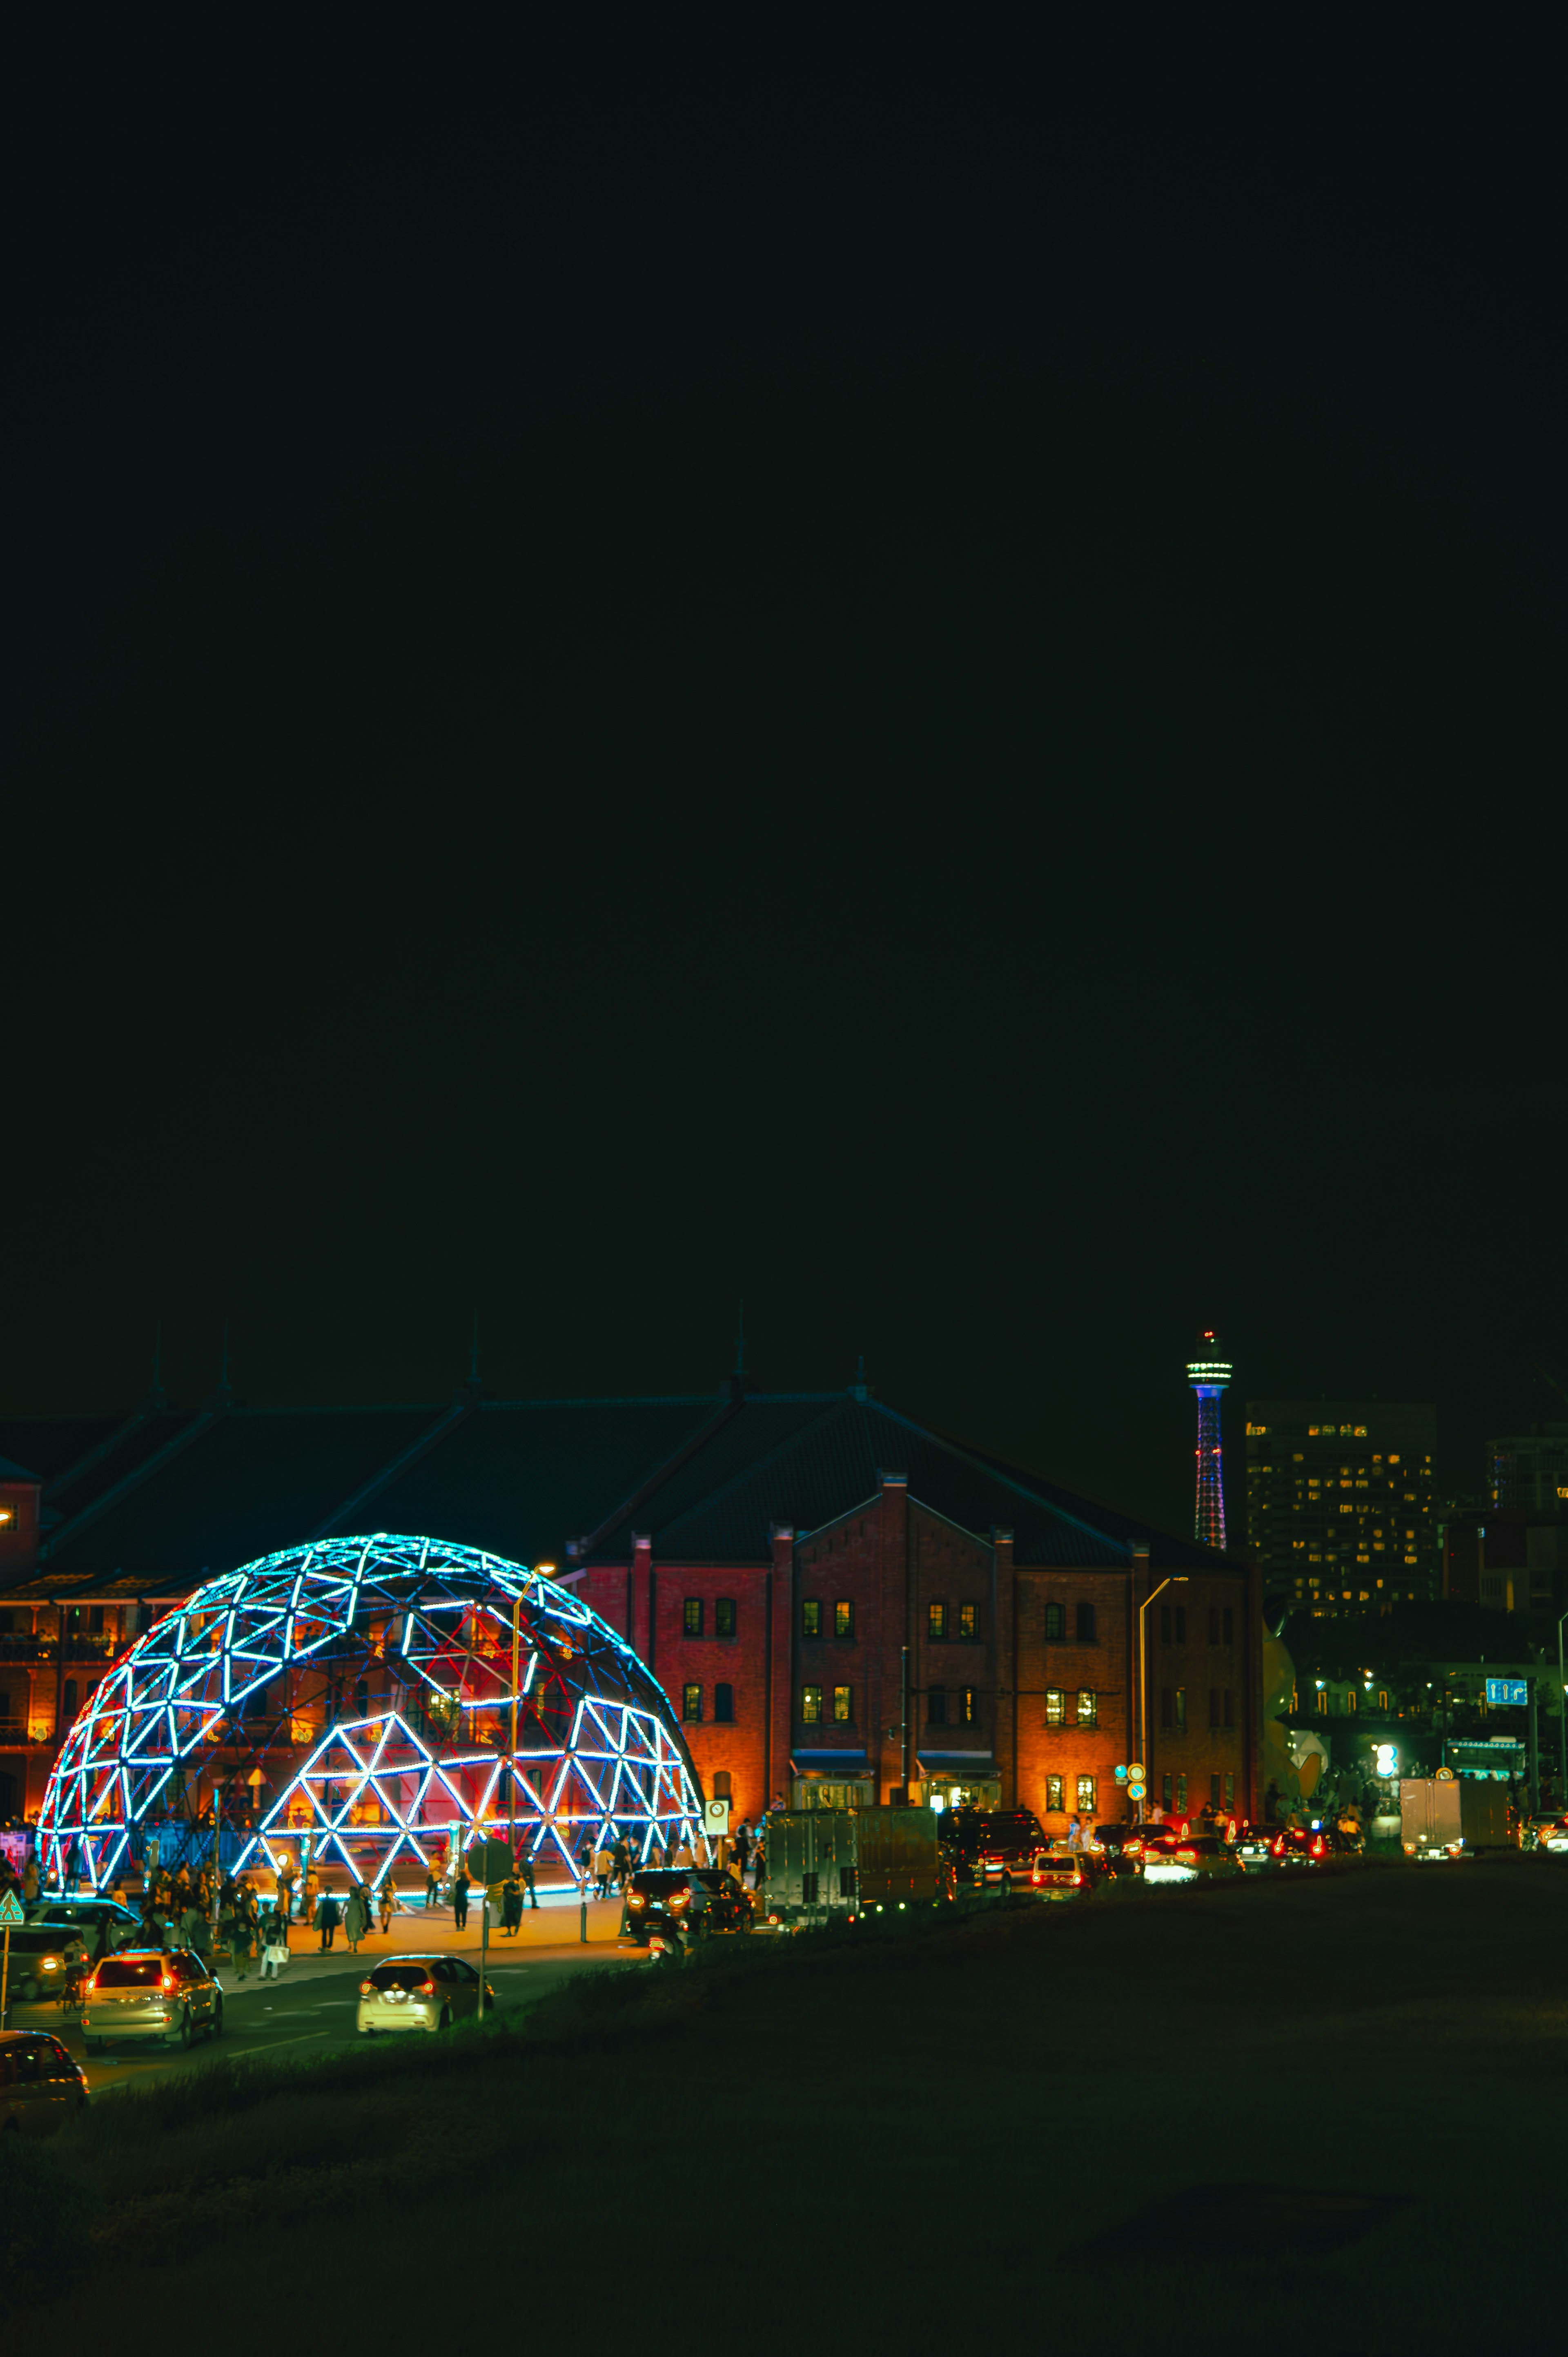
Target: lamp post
{"points": [[1562, 1723], [1172, 1579]]}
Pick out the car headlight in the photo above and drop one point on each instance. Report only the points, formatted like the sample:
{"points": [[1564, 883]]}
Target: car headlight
{"points": [[51, 1963]]}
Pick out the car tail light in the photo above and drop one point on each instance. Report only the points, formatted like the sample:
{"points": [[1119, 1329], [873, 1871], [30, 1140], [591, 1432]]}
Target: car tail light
{"points": [[1078, 1877], [1317, 1846], [637, 1900], [167, 1985], [1277, 1846], [366, 1988], [679, 1900], [1187, 1857], [424, 1988]]}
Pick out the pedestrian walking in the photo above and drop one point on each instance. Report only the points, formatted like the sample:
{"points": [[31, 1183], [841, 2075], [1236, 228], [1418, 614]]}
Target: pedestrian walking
{"points": [[244, 1935], [758, 1861], [193, 1928], [286, 1890], [684, 1853], [1075, 1832], [274, 1937], [461, 1887], [511, 1905], [622, 1855], [432, 1889], [525, 1868], [604, 1867], [389, 1902], [326, 1917], [356, 1919], [30, 1882], [740, 1851]]}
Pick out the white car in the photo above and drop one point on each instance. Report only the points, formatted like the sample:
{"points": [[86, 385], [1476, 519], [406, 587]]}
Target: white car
{"points": [[421, 1993]]}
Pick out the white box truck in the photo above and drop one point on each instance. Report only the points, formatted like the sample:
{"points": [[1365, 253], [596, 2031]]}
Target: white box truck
{"points": [[1448, 1816]]}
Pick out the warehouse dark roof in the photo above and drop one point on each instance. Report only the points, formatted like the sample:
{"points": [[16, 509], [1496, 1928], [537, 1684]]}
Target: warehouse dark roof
{"points": [[827, 1454], [156, 1500]]}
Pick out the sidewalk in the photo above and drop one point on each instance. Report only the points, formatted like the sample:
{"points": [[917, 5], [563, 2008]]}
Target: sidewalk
{"points": [[552, 1935]]}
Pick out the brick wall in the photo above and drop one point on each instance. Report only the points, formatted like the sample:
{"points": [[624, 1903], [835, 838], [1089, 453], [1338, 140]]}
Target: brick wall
{"points": [[837, 1606]]}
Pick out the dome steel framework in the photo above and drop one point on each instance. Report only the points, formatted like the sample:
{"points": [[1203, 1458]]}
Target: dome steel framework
{"points": [[389, 1659]]}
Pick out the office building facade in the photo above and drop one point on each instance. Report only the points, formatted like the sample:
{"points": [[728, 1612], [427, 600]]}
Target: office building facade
{"points": [[1340, 1507]]}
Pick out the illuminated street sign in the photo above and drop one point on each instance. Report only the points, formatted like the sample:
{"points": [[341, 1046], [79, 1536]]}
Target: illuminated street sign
{"points": [[1508, 1694]]}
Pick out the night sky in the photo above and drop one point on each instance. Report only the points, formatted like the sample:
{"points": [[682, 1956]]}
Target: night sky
{"points": [[922, 688]]}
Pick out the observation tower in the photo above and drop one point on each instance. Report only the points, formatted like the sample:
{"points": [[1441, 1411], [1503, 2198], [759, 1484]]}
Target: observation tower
{"points": [[1208, 1373]]}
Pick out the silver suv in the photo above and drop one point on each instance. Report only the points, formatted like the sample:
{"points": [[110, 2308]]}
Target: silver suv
{"points": [[162, 1994]]}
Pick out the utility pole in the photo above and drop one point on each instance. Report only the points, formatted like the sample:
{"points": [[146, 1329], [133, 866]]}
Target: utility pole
{"points": [[511, 1762]]}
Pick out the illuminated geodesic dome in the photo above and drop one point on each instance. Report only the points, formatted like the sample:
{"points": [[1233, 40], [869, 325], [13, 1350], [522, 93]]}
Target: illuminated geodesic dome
{"points": [[371, 1681]]}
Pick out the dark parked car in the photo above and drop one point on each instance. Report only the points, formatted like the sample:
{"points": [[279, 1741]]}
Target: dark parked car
{"points": [[41, 2084], [1144, 1841], [669, 1906], [990, 1849], [1299, 1846]]}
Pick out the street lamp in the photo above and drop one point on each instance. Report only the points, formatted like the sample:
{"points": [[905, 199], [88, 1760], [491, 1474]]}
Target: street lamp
{"points": [[1562, 1723], [1172, 1579]]}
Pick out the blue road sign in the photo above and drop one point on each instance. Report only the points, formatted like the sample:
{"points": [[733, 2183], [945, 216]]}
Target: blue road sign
{"points": [[1505, 1693]]}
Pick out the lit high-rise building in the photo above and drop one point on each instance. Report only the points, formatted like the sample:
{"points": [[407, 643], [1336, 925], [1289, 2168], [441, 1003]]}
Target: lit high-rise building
{"points": [[1340, 1502], [1208, 1373]]}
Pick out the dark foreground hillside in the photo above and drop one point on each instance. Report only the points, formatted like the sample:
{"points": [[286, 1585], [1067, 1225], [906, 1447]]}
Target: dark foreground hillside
{"points": [[1301, 2116]]}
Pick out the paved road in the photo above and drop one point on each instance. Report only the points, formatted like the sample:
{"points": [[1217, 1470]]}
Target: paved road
{"points": [[312, 2005]]}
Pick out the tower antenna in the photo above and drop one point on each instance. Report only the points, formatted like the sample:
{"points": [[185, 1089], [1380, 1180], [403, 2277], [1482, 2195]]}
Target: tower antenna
{"points": [[1208, 1373]]}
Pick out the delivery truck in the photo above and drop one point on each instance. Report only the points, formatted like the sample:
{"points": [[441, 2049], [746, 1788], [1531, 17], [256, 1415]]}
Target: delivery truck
{"points": [[823, 1863], [1449, 1815]]}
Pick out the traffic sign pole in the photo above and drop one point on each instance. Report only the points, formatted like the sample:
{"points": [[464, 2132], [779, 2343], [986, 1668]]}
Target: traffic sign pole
{"points": [[11, 1911]]}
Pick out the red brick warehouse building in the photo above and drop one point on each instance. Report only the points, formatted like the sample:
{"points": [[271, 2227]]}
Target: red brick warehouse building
{"points": [[841, 1601], [844, 1604]]}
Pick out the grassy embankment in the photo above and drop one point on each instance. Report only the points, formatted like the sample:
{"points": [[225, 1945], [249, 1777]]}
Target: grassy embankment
{"points": [[897, 2134]]}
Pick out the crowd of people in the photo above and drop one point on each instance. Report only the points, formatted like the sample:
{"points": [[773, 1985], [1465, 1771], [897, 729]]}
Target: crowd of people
{"points": [[191, 1906]]}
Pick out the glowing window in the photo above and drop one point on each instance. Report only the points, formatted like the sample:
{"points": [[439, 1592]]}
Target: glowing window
{"points": [[966, 1706], [969, 1619], [691, 1705], [1088, 1707], [844, 1619], [810, 1617], [936, 1622], [1054, 1793], [844, 1705], [692, 1616], [1085, 1800], [810, 1705], [1055, 1706]]}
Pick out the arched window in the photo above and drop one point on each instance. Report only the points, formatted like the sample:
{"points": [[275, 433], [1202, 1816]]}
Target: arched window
{"points": [[1054, 1622], [723, 1789]]}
